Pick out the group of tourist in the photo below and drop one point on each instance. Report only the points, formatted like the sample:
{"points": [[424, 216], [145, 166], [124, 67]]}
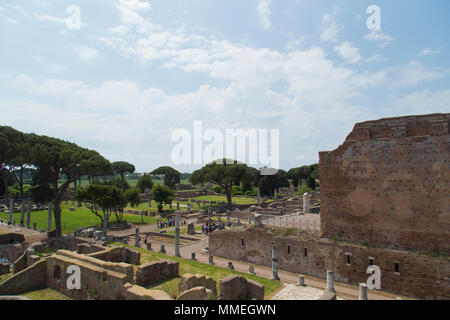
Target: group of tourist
{"points": [[169, 223], [209, 228]]}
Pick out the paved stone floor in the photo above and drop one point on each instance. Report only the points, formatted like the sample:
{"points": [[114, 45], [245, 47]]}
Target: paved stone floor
{"points": [[29, 234], [308, 221], [294, 292]]}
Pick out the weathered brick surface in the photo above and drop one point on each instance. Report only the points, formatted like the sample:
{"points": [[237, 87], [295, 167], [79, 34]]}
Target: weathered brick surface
{"points": [[4, 268], [27, 279], [189, 281], [388, 184], [10, 238], [152, 272], [420, 275], [234, 287], [118, 254]]}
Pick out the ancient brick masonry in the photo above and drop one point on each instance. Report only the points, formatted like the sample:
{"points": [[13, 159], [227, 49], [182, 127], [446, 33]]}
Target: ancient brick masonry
{"points": [[155, 271], [388, 184]]}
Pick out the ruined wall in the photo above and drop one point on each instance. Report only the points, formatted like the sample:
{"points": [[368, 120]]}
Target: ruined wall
{"points": [[96, 282], [118, 254], [419, 276], [30, 278], [119, 267], [155, 271], [388, 184], [10, 238]]}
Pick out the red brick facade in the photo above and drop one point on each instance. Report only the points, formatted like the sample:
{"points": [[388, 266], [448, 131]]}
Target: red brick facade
{"points": [[388, 184]]}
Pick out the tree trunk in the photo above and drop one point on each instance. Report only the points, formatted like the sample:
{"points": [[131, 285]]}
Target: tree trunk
{"points": [[6, 187], [21, 181], [57, 215], [228, 192]]}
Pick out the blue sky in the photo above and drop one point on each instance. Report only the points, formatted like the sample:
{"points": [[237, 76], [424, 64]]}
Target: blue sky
{"points": [[137, 70]]}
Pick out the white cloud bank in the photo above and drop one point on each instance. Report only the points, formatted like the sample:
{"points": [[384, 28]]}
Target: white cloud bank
{"points": [[263, 9]]}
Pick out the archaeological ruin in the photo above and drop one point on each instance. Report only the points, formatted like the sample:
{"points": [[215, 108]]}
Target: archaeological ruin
{"points": [[384, 201]]}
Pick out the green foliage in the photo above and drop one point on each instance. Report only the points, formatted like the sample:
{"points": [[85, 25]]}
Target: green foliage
{"points": [[171, 176], [106, 198], [145, 182], [41, 186], [133, 197], [162, 195], [217, 189], [61, 158], [267, 184], [302, 189], [226, 174], [236, 191], [309, 174], [121, 168]]}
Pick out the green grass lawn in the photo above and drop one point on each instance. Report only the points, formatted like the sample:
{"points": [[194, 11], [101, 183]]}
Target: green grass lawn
{"points": [[71, 221], [3, 277], [45, 294], [236, 199], [183, 230], [187, 266], [154, 208]]}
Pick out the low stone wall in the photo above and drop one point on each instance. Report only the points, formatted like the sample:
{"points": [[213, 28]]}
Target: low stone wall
{"points": [[67, 243], [10, 238], [119, 267], [197, 293], [189, 281], [236, 287], [10, 251], [152, 272], [27, 279], [118, 254], [86, 248], [419, 275], [96, 283], [4, 268], [134, 292]]}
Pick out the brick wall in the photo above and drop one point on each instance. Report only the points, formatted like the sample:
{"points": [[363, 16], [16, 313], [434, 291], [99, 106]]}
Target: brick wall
{"points": [[388, 184], [419, 275]]}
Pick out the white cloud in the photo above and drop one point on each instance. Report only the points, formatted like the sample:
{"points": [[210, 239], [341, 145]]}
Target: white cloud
{"points": [[348, 52], [135, 4], [6, 18], [376, 58], [330, 29], [263, 9], [317, 96], [45, 17], [429, 52], [376, 36], [422, 102], [294, 44], [415, 73], [87, 54]]}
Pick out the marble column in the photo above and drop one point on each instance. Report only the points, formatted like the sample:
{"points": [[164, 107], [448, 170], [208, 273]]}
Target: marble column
{"points": [[11, 210], [330, 281], [137, 239], [275, 262], [22, 214], [362, 292], [177, 234]]}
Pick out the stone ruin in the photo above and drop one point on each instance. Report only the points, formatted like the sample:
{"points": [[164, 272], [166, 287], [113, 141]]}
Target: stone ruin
{"points": [[384, 201], [108, 272]]}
